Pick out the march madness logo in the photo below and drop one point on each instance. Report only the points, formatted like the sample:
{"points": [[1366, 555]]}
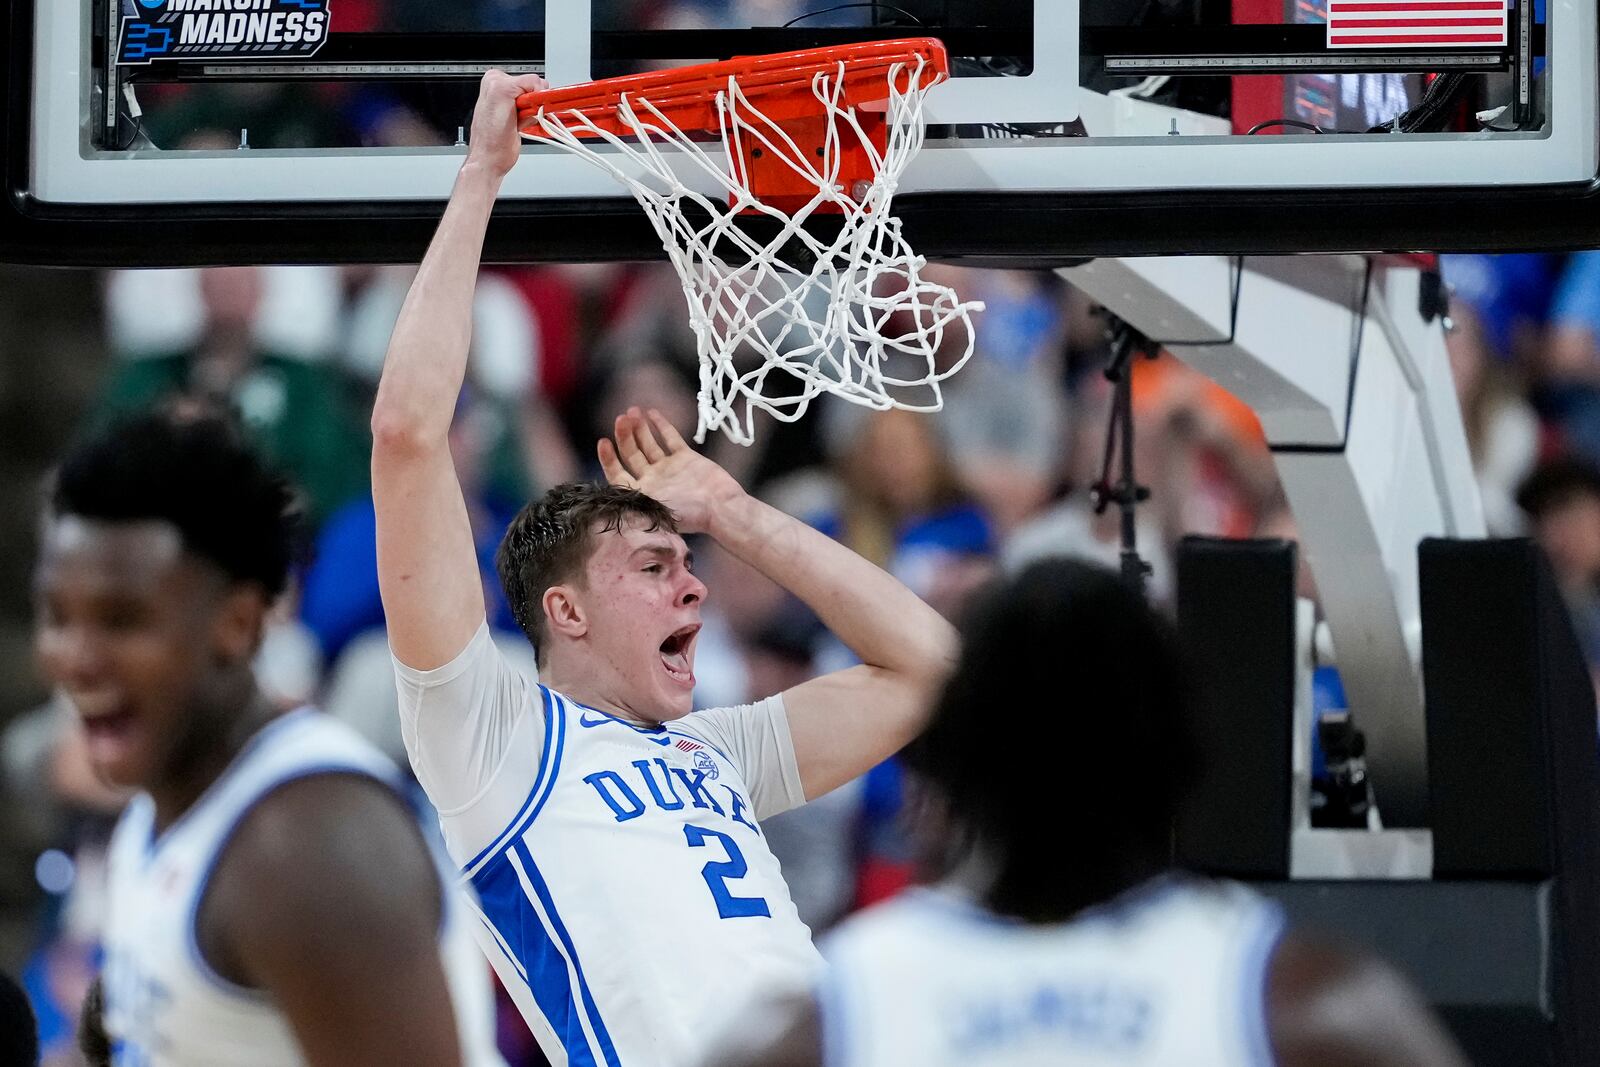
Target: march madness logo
{"points": [[234, 29]]}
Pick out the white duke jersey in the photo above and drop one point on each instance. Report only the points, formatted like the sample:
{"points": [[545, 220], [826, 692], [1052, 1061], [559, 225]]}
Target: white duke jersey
{"points": [[164, 1005], [629, 900], [1173, 975]]}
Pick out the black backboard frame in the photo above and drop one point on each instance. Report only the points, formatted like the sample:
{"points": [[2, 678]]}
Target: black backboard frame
{"points": [[1020, 229]]}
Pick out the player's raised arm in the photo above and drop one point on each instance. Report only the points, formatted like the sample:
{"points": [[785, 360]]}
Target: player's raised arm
{"points": [[844, 723], [427, 566]]}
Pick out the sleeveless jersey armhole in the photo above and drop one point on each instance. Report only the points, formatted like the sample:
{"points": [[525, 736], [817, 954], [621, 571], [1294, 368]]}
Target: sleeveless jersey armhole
{"points": [[203, 880]]}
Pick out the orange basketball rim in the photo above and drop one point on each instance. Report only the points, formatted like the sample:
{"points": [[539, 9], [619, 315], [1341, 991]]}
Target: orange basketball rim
{"points": [[781, 86]]}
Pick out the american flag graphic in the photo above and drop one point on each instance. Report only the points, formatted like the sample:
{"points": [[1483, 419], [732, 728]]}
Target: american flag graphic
{"points": [[687, 745], [1417, 24]]}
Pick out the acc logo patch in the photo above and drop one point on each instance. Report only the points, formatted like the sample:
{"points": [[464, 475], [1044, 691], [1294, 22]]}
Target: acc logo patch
{"points": [[704, 762], [154, 30]]}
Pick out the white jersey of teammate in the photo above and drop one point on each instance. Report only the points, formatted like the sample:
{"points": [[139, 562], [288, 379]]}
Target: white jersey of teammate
{"points": [[164, 1006], [1172, 975], [629, 899]]}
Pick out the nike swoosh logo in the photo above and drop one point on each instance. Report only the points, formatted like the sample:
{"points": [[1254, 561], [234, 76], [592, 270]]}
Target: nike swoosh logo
{"points": [[586, 721]]}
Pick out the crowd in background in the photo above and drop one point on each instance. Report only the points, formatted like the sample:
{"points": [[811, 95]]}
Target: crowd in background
{"points": [[1001, 477]]}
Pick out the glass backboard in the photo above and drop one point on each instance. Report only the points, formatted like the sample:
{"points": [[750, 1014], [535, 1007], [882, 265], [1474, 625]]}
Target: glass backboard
{"points": [[173, 131]]}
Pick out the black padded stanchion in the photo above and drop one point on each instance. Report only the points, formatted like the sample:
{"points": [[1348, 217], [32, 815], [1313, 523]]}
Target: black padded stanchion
{"points": [[1236, 607], [1513, 756]]}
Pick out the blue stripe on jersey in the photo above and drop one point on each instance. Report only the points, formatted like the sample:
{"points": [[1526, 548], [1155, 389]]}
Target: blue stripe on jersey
{"points": [[549, 764], [543, 954], [535, 954], [543, 891], [1269, 928], [471, 902], [505, 949]]}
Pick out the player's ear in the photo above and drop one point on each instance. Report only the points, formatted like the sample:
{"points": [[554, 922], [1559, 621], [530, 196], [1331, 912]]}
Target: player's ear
{"points": [[240, 622], [563, 612]]}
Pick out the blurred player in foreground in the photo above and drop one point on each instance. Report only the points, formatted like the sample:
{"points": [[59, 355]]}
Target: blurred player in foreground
{"points": [[1058, 936], [630, 899], [272, 899]]}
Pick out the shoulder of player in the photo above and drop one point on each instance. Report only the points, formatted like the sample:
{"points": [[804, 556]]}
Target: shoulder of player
{"points": [[329, 902], [488, 670], [710, 720], [336, 807], [711, 727], [1327, 1005], [317, 854]]}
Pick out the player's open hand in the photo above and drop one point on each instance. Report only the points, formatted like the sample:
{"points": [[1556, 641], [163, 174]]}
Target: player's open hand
{"points": [[496, 141], [651, 456]]}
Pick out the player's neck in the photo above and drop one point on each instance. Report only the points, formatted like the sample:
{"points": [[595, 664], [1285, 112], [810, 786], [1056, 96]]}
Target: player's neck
{"points": [[1031, 890], [577, 682], [202, 757]]}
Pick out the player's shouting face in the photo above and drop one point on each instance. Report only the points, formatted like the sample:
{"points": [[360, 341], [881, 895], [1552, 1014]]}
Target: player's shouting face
{"points": [[142, 638], [638, 613], [166, 542]]}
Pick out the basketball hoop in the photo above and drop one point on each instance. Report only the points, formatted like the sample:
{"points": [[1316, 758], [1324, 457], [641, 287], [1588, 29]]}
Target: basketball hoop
{"points": [[801, 277]]}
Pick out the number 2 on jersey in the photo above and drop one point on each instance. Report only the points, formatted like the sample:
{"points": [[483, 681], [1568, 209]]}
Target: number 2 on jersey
{"points": [[717, 875]]}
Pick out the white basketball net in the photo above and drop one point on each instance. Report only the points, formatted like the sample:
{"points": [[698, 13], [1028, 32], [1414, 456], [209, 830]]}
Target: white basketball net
{"points": [[847, 314]]}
